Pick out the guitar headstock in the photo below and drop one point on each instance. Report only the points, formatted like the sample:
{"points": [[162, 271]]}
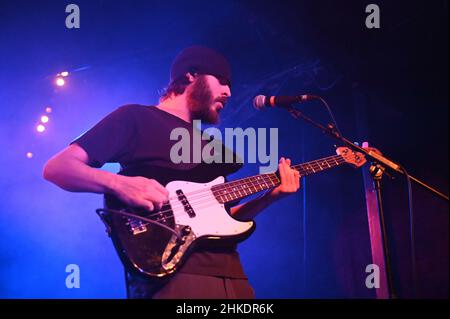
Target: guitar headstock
{"points": [[355, 159]]}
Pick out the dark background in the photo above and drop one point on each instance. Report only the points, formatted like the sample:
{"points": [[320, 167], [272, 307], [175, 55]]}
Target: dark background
{"points": [[388, 86]]}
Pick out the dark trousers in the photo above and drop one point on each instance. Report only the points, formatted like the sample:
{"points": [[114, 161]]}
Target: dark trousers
{"points": [[189, 286]]}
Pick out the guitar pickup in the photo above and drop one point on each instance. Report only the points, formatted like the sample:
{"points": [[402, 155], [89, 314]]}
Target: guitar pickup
{"points": [[187, 207]]}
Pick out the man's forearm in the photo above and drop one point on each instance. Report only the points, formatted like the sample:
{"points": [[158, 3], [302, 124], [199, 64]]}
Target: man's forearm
{"points": [[75, 176]]}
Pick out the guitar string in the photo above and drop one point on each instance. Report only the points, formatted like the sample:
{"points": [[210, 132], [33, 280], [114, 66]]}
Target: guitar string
{"points": [[196, 201], [336, 158], [205, 192], [177, 213], [229, 191], [266, 178], [199, 200], [297, 166], [175, 209], [228, 186]]}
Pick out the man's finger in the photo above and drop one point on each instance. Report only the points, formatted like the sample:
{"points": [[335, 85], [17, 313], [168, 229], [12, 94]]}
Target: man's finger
{"points": [[159, 187], [297, 179], [290, 172], [282, 170], [147, 205]]}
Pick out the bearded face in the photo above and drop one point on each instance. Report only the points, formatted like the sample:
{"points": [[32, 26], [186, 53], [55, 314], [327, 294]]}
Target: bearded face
{"points": [[201, 101]]}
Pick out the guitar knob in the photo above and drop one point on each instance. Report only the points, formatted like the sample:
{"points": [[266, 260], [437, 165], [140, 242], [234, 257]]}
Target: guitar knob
{"points": [[186, 230]]}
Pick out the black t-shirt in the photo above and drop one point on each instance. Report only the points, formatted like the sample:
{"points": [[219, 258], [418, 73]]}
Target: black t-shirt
{"points": [[138, 137]]}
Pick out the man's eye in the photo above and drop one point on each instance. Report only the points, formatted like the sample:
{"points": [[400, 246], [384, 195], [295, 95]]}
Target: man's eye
{"points": [[223, 81]]}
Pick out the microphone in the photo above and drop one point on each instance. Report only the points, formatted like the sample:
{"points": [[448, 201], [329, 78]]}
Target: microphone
{"points": [[261, 101]]}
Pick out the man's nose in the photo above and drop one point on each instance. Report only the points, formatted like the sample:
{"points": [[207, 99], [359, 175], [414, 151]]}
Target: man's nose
{"points": [[226, 91]]}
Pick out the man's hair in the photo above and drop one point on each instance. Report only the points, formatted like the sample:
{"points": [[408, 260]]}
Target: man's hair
{"points": [[175, 88]]}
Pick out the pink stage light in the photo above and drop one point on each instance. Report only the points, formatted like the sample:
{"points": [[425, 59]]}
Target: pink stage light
{"points": [[40, 128], [60, 81], [44, 118]]}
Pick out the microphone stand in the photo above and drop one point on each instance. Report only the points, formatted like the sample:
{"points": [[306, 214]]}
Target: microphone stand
{"points": [[377, 169], [382, 160]]}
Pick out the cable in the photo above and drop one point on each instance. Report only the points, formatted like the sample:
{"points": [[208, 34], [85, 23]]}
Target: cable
{"points": [[412, 233], [120, 212], [330, 113]]}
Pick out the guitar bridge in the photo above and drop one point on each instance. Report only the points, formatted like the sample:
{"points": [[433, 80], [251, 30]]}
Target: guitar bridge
{"points": [[136, 226]]}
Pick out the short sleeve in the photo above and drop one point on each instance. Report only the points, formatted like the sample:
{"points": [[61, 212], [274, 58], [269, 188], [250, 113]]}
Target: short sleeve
{"points": [[111, 139]]}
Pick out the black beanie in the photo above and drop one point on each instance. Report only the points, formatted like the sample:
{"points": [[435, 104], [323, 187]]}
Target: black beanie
{"points": [[202, 60]]}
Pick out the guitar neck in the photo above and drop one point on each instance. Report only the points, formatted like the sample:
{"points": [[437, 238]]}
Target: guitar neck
{"points": [[238, 189]]}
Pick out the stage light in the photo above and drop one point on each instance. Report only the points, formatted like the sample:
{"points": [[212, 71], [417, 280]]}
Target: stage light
{"points": [[29, 155], [60, 81], [40, 128], [65, 73], [44, 118], [48, 109]]}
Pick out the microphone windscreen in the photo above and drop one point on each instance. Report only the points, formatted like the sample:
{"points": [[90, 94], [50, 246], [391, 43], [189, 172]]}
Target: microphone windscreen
{"points": [[259, 102]]}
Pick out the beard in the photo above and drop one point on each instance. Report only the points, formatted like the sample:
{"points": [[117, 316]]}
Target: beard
{"points": [[200, 101]]}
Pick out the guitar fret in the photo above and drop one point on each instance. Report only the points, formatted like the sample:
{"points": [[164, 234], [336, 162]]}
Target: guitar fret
{"points": [[263, 185], [257, 183], [244, 187], [226, 194], [239, 191], [253, 185], [273, 183], [233, 191], [320, 166]]}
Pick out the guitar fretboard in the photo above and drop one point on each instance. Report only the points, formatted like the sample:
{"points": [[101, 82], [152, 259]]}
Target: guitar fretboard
{"points": [[231, 191]]}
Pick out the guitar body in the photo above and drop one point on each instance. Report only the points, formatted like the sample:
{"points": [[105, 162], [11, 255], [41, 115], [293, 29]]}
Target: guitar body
{"points": [[193, 212]]}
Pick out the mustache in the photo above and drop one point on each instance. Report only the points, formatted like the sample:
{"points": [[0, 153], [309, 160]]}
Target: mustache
{"points": [[222, 100]]}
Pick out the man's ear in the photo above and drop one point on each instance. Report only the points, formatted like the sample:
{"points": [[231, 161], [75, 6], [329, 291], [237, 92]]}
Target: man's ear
{"points": [[190, 77]]}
